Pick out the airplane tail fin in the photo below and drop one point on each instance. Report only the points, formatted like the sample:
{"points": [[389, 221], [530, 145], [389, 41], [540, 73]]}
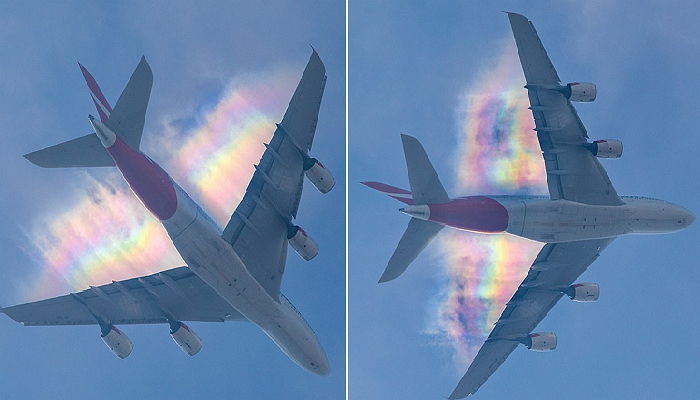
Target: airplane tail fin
{"points": [[416, 237], [425, 184], [126, 120]]}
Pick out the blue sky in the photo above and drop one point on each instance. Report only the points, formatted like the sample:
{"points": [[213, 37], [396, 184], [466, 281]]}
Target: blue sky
{"points": [[194, 51], [409, 63]]}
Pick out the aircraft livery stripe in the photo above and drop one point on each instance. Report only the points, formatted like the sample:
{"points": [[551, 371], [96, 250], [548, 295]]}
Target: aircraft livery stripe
{"points": [[151, 184], [95, 88], [474, 213]]}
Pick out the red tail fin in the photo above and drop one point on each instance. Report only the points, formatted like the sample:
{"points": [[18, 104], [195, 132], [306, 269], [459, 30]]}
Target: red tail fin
{"points": [[399, 194], [101, 103]]}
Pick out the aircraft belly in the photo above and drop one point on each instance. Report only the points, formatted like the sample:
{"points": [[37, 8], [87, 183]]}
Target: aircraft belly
{"points": [[217, 264], [566, 221], [199, 242]]}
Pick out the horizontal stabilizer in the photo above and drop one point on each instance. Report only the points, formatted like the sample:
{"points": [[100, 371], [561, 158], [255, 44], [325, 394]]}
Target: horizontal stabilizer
{"points": [[85, 151], [418, 234], [425, 184]]}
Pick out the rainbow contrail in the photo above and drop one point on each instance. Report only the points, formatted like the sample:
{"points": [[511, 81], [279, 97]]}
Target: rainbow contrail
{"points": [[215, 160], [498, 153], [106, 234]]}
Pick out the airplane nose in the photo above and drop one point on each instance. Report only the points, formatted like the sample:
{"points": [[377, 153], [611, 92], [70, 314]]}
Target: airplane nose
{"points": [[320, 367], [324, 369], [684, 218], [689, 218]]}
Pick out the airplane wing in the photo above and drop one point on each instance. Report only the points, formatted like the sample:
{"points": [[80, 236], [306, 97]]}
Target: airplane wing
{"points": [[573, 172], [257, 229], [177, 292], [556, 267]]}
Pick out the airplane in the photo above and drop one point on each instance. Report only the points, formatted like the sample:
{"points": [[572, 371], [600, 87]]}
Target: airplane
{"points": [[231, 275], [581, 216]]}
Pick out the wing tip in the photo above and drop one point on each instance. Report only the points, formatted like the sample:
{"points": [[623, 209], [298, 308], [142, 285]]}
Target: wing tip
{"points": [[512, 14], [316, 59], [405, 139], [32, 158], [387, 276]]}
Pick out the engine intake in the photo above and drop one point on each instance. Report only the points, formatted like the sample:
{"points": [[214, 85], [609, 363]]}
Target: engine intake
{"points": [[541, 341], [583, 292], [185, 337], [302, 243], [116, 340], [580, 91], [319, 175], [608, 148]]}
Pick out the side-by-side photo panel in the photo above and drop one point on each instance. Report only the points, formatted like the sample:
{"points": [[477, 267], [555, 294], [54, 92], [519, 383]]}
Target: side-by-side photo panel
{"points": [[176, 226], [489, 193]]}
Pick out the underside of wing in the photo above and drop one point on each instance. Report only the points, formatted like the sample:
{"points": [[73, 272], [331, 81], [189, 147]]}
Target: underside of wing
{"points": [[556, 267], [301, 116], [259, 227], [177, 293], [573, 172]]}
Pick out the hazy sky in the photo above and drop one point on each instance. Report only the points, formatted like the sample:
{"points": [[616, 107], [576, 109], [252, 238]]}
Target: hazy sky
{"points": [[200, 55], [410, 66]]}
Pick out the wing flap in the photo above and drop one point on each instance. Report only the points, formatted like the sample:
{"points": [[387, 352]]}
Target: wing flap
{"points": [[573, 172], [536, 295], [257, 229], [144, 300]]}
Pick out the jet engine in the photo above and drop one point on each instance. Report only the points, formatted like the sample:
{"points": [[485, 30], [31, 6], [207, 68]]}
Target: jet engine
{"points": [[541, 341], [116, 340], [583, 292], [319, 175], [302, 243], [609, 148], [580, 91], [185, 337]]}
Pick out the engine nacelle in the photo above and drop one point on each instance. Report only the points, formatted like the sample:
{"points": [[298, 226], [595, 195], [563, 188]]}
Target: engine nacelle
{"points": [[319, 175], [185, 337], [117, 341], [608, 148], [583, 292], [541, 341], [302, 243], [580, 91]]}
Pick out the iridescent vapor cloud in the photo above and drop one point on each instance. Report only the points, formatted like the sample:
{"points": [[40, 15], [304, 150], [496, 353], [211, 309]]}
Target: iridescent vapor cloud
{"points": [[497, 153], [215, 160], [106, 234]]}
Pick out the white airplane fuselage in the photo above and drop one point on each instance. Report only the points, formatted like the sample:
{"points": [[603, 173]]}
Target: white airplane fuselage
{"points": [[551, 221], [198, 240]]}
